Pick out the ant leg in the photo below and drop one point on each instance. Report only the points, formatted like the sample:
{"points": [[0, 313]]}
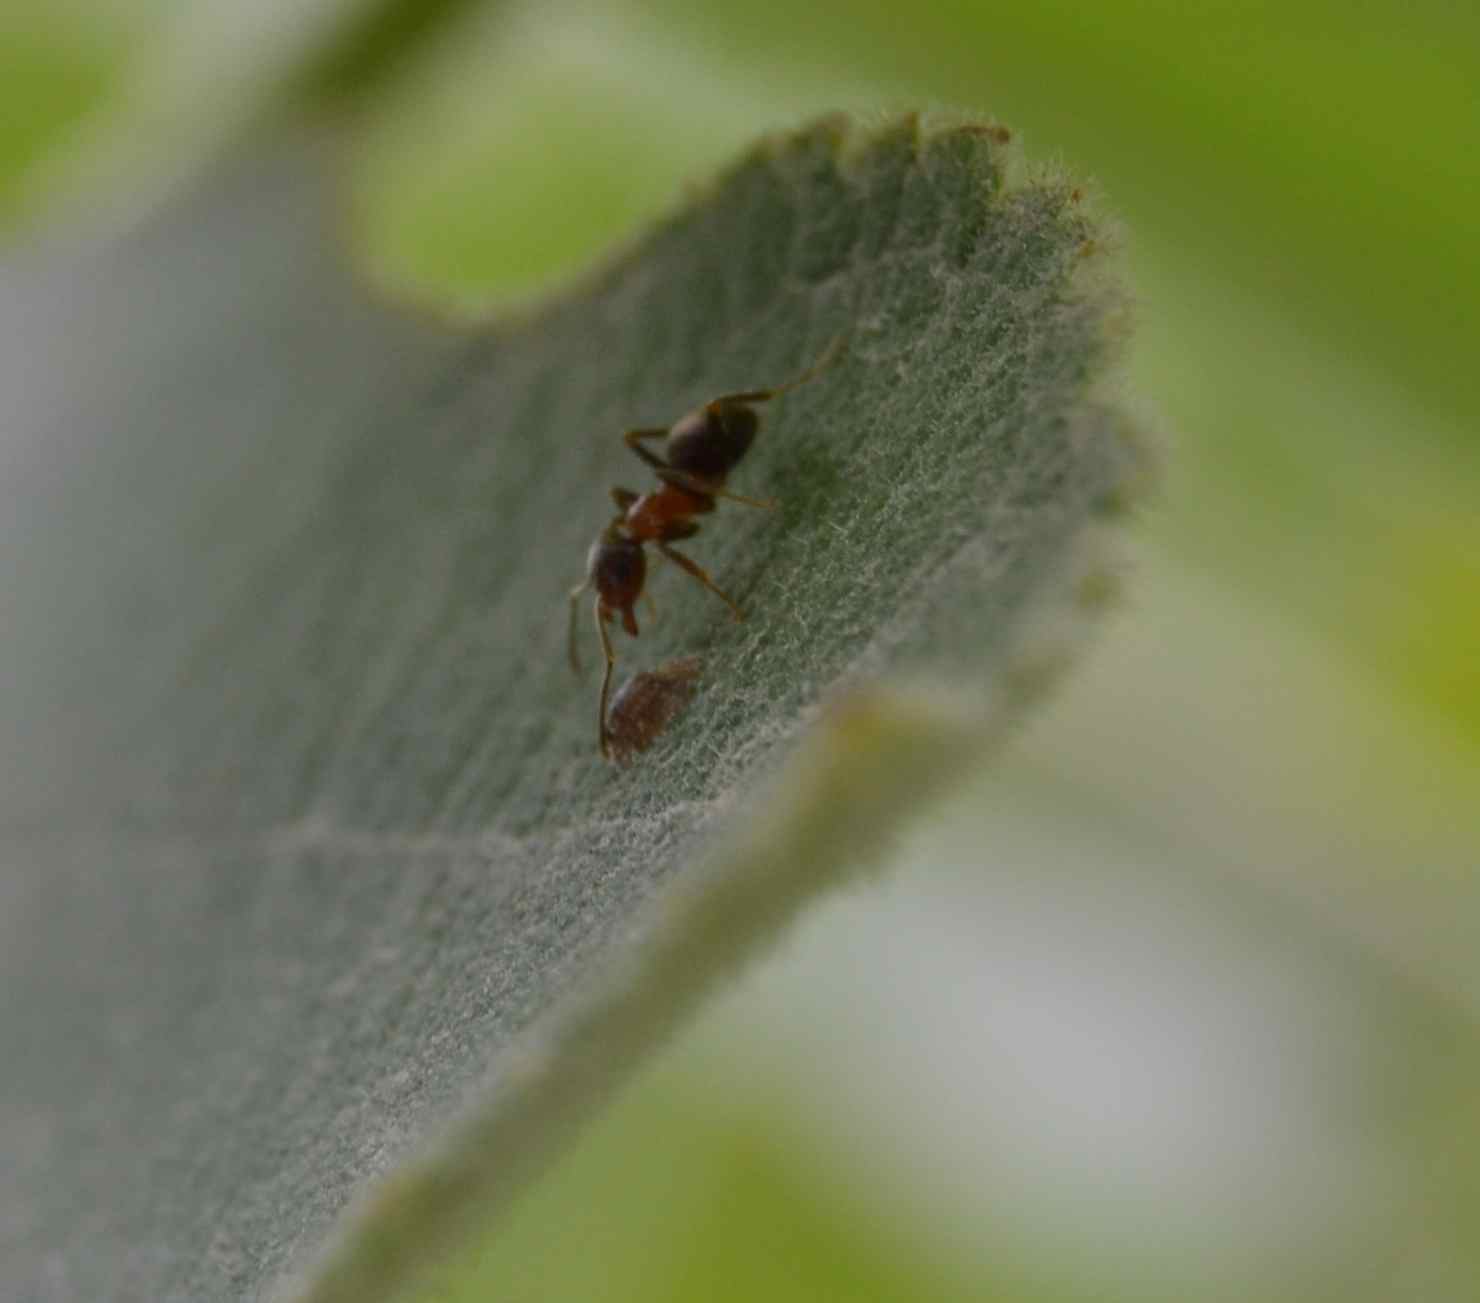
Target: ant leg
{"points": [[633, 439], [624, 498], [701, 574], [606, 679], [745, 396], [698, 484], [570, 632], [647, 596]]}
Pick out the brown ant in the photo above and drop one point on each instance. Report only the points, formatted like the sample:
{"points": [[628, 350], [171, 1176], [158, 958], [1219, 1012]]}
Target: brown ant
{"points": [[700, 450]]}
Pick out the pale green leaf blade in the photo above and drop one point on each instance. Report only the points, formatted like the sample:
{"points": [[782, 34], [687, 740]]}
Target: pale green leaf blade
{"points": [[306, 830]]}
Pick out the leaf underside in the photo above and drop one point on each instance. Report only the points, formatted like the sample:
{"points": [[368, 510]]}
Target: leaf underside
{"points": [[307, 839]]}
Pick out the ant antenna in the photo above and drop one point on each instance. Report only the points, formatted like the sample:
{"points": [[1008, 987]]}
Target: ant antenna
{"points": [[570, 633]]}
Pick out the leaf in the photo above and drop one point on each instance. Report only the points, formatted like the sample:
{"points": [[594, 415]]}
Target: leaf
{"points": [[307, 838]]}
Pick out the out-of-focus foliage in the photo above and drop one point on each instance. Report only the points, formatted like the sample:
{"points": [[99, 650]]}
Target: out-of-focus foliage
{"points": [[54, 71]]}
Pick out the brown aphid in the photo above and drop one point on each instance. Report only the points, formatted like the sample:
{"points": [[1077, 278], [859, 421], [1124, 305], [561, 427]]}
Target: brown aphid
{"points": [[647, 704], [700, 450]]}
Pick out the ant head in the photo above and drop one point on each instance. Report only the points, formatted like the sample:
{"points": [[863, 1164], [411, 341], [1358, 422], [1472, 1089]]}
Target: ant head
{"points": [[617, 568]]}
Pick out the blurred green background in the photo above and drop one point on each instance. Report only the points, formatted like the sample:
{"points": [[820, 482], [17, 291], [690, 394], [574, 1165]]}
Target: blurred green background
{"points": [[1181, 999]]}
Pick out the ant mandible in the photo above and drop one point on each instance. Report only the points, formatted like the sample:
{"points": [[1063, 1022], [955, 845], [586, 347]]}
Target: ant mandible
{"points": [[700, 450]]}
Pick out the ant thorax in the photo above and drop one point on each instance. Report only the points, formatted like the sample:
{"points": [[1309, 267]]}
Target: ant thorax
{"points": [[653, 514]]}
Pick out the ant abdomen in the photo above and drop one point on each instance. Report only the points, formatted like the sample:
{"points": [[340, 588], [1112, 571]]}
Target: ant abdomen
{"points": [[710, 441]]}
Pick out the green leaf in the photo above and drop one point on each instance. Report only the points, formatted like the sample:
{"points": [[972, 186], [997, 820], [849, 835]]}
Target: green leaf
{"points": [[307, 838]]}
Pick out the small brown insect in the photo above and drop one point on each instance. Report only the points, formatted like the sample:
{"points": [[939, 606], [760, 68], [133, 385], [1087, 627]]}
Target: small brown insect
{"points": [[647, 704], [700, 450]]}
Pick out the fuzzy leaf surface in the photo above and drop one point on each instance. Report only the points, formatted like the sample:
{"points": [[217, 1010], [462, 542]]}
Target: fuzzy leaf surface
{"points": [[306, 837]]}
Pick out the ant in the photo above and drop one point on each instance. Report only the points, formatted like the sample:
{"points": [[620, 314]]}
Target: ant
{"points": [[700, 450]]}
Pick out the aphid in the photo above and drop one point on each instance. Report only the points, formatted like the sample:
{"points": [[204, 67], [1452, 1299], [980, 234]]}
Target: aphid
{"points": [[647, 704], [700, 450]]}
